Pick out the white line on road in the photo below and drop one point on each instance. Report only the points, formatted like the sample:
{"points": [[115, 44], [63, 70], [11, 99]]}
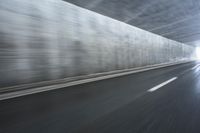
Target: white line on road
{"points": [[162, 84], [194, 67], [78, 82]]}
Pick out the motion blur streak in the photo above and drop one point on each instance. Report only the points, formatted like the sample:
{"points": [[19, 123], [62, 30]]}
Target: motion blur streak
{"points": [[65, 69], [44, 40]]}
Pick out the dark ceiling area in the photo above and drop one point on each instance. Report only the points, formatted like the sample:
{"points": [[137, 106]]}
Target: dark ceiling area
{"points": [[174, 19]]}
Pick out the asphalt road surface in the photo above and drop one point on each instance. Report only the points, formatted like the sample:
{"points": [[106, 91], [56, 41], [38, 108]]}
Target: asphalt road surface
{"points": [[165, 100]]}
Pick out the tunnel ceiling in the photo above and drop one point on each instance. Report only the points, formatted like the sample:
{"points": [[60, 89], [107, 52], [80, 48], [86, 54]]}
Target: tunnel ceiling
{"points": [[174, 19]]}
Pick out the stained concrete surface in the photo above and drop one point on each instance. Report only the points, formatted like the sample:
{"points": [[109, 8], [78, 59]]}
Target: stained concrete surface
{"points": [[43, 40], [174, 19]]}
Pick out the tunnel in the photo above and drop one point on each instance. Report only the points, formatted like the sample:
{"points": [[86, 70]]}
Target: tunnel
{"points": [[99, 66]]}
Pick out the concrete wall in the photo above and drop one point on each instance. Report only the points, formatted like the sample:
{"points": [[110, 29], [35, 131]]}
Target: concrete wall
{"points": [[43, 40]]}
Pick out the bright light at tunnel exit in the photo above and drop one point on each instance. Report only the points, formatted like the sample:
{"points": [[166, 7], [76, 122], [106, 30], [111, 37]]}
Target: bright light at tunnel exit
{"points": [[198, 53]]}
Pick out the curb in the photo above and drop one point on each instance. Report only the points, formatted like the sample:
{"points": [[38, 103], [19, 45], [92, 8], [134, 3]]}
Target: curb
{"points": [[27, 89]]}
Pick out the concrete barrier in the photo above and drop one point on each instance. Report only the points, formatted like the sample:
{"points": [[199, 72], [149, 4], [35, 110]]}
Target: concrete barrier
{"points": [[44, 40], [28, 89]]}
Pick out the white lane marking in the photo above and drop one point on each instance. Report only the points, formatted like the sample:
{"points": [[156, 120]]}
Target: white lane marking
{"points": [[19, 93], [162, 84], [195, 67]]}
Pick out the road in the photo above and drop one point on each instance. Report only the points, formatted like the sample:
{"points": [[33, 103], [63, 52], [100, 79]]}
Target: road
{"points": [[165, 100]]}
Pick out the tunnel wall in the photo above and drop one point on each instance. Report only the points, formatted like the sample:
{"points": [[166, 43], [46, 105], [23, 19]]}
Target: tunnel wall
{"points": [[42, 40]]}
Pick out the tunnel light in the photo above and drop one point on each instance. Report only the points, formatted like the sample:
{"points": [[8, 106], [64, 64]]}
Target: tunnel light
{"points": [[198, 53]]}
